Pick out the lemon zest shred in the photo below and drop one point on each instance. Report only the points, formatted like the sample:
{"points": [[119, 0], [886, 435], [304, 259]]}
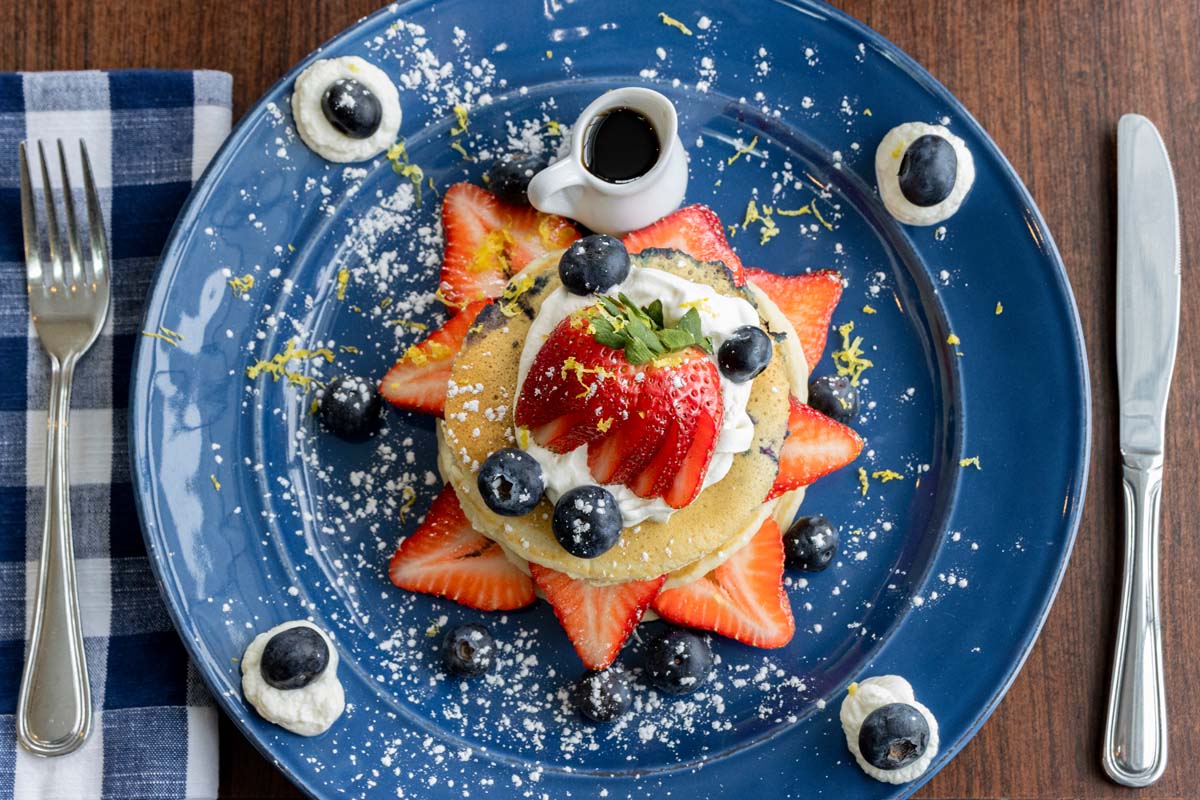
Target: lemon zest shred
{"points": [[441, 295], [241, 286], [173, 334], [571, 365], [863, 481], [733, 229], [460, 113], [398, 155], [868, 310], [849, 360], [291, 248], [751, 214], [384, 303], [999, 308], [793, 212], [952, 339], [163, 337], [216, 483], [523, 437], [700, 304], [513, 291], [493, 252], [343, 279], [314, 406], [743, 150], [407, 323], [457, 147], [851, 689], [973, 461], [410, 499], [816, 213], [604, 424], [671, 22], [348, 348], [886, 475], [553, 127], [276, 366]]}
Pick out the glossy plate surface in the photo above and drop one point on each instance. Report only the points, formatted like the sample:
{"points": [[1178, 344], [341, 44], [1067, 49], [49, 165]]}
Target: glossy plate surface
{"points": [[253, 515]]}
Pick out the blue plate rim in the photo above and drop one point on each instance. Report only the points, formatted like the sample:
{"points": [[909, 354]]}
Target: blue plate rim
{"points": [[816, 8]]}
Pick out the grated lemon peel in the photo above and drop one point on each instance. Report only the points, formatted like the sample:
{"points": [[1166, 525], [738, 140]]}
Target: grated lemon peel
{"points": [[743, 150], [671, 22], [512, 291], [241, 286], [849, 360], [863, 481], [398, 155], [973, 461], [343, 279], [869, 310], [886, 475], [277, 365]]}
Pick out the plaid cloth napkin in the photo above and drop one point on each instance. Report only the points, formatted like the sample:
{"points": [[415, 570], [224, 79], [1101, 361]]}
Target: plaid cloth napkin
{"points": [[150, 135]]}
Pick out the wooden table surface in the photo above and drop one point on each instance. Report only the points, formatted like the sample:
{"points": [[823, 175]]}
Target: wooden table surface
{"points": [[1048, 81]]}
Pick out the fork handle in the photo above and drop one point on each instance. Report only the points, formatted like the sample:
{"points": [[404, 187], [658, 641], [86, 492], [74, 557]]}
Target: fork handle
{"points": [[1135, 736], [54, 713]]}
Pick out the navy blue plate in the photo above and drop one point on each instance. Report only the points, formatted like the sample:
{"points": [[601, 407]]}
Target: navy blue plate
{"points": [[253, 515]]}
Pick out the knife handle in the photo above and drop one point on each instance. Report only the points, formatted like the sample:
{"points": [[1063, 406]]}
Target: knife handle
{"points": [[1135, 737]]}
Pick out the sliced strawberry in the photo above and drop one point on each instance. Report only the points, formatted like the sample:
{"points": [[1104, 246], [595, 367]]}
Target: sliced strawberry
{"points": [[626, 450], [807, 301], [815, 446], [689, 477], [446, 557], [597, 619], [417, 382], [697, 231], [576, 389], [488, 241], [688, 393], [742, 599]]}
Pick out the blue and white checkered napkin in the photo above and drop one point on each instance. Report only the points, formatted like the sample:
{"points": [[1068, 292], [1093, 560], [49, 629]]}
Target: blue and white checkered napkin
{"points": [[150, 135]]}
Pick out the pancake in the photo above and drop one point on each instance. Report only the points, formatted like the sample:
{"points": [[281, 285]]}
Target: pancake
{"points": [[478, 421]]}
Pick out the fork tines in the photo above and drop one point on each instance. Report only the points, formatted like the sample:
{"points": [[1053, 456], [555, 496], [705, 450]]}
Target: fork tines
{"points": [[71, 271]]}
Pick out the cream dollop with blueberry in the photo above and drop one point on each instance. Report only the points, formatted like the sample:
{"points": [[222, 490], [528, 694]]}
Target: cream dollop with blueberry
{"points": [[892, 736], [924, 173], [289, 675], [346, 109]]}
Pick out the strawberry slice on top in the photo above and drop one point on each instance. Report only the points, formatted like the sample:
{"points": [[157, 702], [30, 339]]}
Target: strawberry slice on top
{"points": [[488, 241], [694, 229], [807, 301], [446, 557], [815, 446], [652, 426], [597, 619], [743, 598], [418, 380]]}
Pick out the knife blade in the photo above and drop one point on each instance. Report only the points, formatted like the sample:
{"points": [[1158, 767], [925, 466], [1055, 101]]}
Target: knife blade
{"points": [[1147, 283]]}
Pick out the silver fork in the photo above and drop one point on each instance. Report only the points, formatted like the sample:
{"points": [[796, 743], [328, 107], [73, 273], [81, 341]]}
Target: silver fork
{"points": [[68, 300]]}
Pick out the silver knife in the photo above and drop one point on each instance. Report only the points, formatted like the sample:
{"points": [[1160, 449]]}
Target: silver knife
{"points": [[1135, 736]]}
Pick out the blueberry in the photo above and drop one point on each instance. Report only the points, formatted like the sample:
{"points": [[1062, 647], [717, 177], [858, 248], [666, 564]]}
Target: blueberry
{"points": [[678, 661], [928, 170], [350, 408], [603, 695], [587, 521], [594, 264], [893, 736], [744, 354], [810, 544], [508, 177], [352, 108], [468, 650], [293, 658], [835, 397], [511, 482]]}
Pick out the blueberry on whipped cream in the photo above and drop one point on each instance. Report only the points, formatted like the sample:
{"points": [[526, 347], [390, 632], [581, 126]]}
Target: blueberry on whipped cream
{"points": [[924, 172], [289, 675], [892, 736], [346, 109]]}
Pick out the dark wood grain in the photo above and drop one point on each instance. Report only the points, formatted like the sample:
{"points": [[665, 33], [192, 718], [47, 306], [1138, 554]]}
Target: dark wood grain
{"points": [[1048, 81]]}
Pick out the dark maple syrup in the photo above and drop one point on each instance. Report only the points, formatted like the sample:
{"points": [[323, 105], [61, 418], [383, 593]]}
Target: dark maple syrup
{"points": [[622, 146]]}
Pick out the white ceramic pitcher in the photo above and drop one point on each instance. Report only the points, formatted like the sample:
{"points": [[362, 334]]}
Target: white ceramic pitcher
{"points": [[568, 188]]}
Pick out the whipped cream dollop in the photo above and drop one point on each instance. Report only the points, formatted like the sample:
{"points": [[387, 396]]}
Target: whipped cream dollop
{"points": [[867, 695], [308, 710], [319, 134], [890, 154], [720, 316]]}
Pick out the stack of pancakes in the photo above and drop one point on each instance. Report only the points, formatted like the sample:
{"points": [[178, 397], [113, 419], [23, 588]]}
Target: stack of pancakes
{"points": [[697, 538]]}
